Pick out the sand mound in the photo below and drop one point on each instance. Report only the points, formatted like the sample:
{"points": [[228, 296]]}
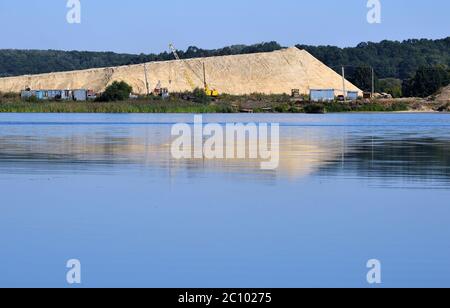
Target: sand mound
{"points": [[270, 73], [443, 95]]}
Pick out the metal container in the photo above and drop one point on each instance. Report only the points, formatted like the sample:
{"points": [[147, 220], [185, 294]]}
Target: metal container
{"points": [[322, 95], [66, 95], [26, 94], [79, 95], [41, 94], [352, 95]]}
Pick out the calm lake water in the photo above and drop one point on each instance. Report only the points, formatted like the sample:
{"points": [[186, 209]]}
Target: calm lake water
{"points": [[104, 189]]}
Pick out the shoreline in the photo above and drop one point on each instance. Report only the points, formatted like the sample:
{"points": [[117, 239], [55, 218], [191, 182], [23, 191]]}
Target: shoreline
{"points": [[238, 113], [276, 104]]}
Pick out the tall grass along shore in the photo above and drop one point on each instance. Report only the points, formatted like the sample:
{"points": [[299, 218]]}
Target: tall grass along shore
{"points": [[255, 103]]}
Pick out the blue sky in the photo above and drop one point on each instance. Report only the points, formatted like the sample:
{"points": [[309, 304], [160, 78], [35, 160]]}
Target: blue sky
{"points": [[136, 26]]}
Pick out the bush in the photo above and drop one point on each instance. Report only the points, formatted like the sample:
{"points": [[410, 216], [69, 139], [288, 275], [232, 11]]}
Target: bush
{"points": [[9, 96], [444, 108], [200, 96], [32, 99], [117, 91], [314, 108], [282, 108], [391, 86]]}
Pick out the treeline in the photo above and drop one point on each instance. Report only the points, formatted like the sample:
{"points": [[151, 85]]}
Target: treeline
{"points": [[409, 68], [426, 81], [23, 62], [390, 59]]}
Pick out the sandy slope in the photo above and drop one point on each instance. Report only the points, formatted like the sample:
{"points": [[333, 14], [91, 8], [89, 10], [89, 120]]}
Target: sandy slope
{"points": [[443, 95], [275, 72]]}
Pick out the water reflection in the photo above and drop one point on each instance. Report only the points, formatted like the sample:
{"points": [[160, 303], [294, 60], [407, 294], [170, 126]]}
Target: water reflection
{"points": [[149, 148], [417, 159], [344, 151], [104, 189]]}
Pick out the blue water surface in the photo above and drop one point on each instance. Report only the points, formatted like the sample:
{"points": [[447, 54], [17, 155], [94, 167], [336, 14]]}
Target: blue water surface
{"points": [[105, 189]]}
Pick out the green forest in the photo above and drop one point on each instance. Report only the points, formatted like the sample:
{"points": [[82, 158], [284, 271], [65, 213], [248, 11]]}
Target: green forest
{"points": [[400, 67]]}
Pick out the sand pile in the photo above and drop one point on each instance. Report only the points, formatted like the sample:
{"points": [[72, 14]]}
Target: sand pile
{"points": [[443, 95], [270, 73]]}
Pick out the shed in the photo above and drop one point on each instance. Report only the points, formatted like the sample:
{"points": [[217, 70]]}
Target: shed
{"points": [[41, 94], [66, 95], [79, 95], [322, 95], [53, 94], [352, 95]]}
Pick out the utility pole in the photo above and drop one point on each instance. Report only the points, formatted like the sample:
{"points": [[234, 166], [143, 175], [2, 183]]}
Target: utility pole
{"points": [[146, 79], [343, 84], [373, 82], [204, 76]]}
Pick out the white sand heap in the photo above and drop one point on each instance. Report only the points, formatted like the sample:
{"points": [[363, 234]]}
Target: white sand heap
{"points": [[270, 73]]}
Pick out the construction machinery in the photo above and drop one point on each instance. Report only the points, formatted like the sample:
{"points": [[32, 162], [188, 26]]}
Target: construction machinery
{"points": [[208, 91], [160, 91]]}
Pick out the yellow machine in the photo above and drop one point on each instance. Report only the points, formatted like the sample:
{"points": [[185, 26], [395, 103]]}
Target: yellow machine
{"points": [[212, 93], [208, 91]]}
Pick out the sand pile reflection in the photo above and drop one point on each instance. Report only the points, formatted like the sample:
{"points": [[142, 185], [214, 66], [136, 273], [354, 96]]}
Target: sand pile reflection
{"points": [[304, 151]]}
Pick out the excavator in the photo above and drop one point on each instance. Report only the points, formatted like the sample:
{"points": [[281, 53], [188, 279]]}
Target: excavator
{"points": [[208, 91]]}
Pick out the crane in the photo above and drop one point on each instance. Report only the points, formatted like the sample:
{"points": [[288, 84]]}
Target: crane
{"points": [[212, 93], [186, 75], [146, 79]]}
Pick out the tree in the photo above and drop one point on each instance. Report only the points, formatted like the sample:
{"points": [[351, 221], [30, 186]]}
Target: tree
{"points": [[362, 78], [389, 58], [117, 91], [426, 81], [391, 86]]}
